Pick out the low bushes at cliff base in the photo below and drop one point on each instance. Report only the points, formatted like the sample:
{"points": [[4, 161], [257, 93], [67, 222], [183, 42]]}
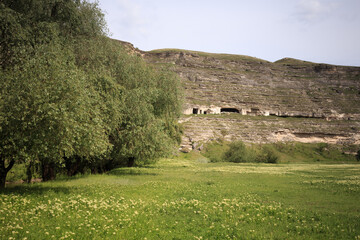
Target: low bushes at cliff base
{"points": [[291, 152], [238, 152]]}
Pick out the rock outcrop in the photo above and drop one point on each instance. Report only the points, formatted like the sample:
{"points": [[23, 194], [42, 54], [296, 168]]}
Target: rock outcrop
{"points": [[199, 129], [288, 100], [287, 87]]}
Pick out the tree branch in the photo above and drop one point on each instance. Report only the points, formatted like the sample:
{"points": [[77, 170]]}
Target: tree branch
{"points": [[11, 164]]}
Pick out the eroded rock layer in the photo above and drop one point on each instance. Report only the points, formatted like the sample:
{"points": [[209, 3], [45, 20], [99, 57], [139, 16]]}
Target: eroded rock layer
{"points": [[289, 100], [261, 129], [285, 88]]}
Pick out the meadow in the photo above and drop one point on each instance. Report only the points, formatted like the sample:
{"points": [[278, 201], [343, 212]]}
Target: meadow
{"points": [[190, 198]]}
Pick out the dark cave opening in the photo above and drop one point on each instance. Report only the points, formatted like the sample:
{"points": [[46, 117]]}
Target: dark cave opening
{"points": [[229, 110]]}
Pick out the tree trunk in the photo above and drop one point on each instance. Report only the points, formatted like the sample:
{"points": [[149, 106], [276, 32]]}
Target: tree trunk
{"points": [[70, 166], [4, 170], [74, 165], [131, 161], [94, 170], [48, 171], [3, 174], [29, 172]]}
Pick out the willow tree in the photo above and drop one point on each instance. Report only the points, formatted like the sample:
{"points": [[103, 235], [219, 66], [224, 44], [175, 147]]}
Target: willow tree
{"points": [[68, 92], [47, 112], [143, 118], [48, 109]]}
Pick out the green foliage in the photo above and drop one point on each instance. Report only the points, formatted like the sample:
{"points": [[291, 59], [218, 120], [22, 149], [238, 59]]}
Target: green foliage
{"points": [[312, 152], [238, 152], [74, 17], [267, 155], [143, 118], [54, 114], [195, 156], [279, 152], [358, 155], [20, 172], [215, 151], [17, 173], [26, 24], [69, 93], [13, 35]]}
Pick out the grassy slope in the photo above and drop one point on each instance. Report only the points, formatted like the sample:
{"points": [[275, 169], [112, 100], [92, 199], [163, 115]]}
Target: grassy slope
{"points": [[236, 57], [186, 198], [292, 152], [294, 62], [223, 56]]}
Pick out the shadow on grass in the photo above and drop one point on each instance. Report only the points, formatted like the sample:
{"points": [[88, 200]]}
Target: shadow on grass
{"points": [[33, 189], [130, 171]]}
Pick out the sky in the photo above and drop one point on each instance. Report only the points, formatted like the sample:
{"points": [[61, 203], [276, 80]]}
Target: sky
{"points": [[322, 31]]}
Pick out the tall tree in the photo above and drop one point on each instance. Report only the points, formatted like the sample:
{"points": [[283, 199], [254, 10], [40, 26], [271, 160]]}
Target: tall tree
{"points": [[145, 124], [70, 95], [48, 109]]}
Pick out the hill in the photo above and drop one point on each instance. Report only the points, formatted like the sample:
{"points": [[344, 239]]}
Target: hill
{"points": [[288, 100]]}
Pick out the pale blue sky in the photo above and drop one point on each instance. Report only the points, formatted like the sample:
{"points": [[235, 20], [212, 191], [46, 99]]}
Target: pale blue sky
{"points": [[326, 31]]}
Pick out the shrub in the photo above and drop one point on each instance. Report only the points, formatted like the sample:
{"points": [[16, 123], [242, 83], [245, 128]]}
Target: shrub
{"points": [[268, 155], [322, 147], [215, 151], [358, 155], [237, 152]]}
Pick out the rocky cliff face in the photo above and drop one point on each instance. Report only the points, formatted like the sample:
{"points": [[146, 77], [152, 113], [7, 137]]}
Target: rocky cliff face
{"points": [[285, 88], [289, 100], [262, 129]]}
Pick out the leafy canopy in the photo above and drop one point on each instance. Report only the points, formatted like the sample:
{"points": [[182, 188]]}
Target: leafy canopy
{"points": [[70, 92]]}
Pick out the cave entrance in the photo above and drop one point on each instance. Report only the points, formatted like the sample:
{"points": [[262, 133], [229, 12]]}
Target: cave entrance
{"points": [[195, 110], [229, 110]]}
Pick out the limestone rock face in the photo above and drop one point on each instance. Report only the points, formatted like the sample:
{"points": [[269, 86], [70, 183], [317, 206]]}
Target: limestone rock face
{"points": [[288, 100], [285, 88], [262, 129]]}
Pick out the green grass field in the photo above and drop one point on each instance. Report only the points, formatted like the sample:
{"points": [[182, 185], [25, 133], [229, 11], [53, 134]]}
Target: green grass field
{"points": [[190, 199]]}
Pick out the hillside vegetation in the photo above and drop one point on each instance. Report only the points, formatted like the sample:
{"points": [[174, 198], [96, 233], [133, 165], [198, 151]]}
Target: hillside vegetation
{"points": [[294, 62], [223, 56], [294, 152]]}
